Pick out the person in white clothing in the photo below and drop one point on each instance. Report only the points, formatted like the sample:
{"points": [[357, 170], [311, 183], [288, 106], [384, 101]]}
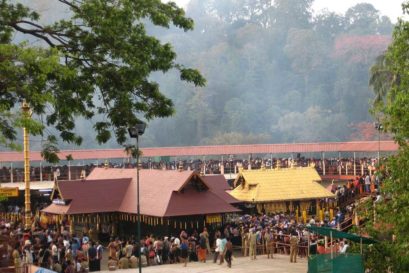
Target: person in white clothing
{"points": [[217, 249], [343, 247]]}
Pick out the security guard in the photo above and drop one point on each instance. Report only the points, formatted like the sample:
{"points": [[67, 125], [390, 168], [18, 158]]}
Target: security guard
{"points": [[293, 246]]}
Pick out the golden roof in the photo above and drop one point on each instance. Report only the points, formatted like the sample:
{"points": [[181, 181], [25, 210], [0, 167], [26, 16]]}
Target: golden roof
{"points": [[279, 185]]}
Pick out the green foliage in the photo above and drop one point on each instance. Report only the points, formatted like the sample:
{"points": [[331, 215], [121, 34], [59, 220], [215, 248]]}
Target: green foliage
{"points": [[395, 210], [274, 68], [96, 64], [390, 80], [381, 80], [391, 221], [132, 151], [50, 150], [267, 62]]}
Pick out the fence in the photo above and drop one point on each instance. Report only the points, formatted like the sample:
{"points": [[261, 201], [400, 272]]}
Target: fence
{"points": [[324, 263], [76, 169]]}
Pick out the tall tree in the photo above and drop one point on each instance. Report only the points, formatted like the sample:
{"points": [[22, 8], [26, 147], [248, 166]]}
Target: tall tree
{"points": [[381, 80], [102, 51], [390, 79]]}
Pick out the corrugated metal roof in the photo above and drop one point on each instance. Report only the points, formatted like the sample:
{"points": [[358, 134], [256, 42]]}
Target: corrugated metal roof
{"points": [[279, 185], [358, 146]]}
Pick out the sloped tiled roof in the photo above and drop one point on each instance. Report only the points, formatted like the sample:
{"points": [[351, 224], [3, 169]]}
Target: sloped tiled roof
{"points": [[57, 209], [279, 185], [156, 188], [191, 202], [162, 194], [90, 196], [218, 185]]}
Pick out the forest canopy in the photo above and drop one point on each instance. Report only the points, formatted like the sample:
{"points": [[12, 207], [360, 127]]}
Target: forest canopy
{"points": [[94, 64], [275, 69], [276, 72]]}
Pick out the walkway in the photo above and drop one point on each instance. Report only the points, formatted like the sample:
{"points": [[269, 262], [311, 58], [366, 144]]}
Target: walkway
{"points": [[280, 264]]}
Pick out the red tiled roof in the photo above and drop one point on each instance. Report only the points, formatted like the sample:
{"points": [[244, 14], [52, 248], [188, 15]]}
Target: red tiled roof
{"points": [[91, 196], [56, 209], [358, 146], [191, 202], [162, 193], [156, 188], [218, 185]]}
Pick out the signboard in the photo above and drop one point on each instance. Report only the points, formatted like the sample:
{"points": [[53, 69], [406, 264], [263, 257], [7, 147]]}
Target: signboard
{"points": [[9, 192]]}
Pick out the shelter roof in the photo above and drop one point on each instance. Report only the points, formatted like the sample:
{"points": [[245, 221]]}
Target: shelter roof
{"points": [[325, 231], [191, 202], [218, 185], [353, 146], [90, 196], [156, 187], [267, 185], [57, 209], [162, 193]]}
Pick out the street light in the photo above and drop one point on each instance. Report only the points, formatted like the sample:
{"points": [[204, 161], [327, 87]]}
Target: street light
{"points": [[379, 127], [134, 132]]}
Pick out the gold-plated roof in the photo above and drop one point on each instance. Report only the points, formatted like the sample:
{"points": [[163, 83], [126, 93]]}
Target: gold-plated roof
{"points": [[279, 185]]}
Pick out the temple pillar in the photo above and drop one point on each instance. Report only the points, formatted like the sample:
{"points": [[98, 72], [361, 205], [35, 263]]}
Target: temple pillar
{"points": [[304, 216], [72, 226], [296, 215], [114, 229]]}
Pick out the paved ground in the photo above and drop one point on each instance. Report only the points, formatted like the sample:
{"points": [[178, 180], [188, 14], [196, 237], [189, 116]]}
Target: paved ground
{"points": [[280, 264]]}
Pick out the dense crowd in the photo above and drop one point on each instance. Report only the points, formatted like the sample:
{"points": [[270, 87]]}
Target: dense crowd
{"points": [[56, 248], [332, 166]]}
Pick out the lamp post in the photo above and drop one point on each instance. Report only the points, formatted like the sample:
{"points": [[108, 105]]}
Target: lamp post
{"points": [[379, 127], [134, 132], [25, 108]]}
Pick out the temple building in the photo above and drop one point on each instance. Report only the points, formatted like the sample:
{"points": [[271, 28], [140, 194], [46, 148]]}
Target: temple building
{"points": [[295, 189], [169, 201]]}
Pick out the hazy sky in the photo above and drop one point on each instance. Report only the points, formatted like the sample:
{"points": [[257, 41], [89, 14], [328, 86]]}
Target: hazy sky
{"points": [[391, 8]]}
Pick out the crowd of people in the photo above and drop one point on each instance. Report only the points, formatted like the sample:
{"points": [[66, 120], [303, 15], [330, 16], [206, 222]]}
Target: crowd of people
{"points": [[332, 166], [55, 248]]}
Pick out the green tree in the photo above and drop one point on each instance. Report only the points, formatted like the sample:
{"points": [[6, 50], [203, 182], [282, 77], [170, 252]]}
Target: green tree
{"points": [[361, 17], [96, 64], [390, 80], [381, 80]]}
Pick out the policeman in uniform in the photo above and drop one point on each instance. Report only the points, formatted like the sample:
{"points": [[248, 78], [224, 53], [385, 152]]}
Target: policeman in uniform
{"points": [[293, 246]]}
